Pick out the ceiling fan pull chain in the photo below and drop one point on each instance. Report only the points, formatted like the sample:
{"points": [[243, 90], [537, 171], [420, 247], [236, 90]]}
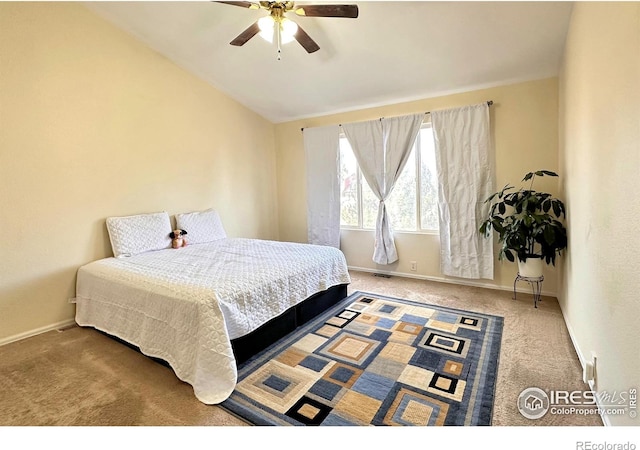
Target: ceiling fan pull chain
{"points": [[278, 25]]}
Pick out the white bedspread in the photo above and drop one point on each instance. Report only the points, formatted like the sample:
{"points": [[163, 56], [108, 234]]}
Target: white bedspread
{"points": [[185, 305]]}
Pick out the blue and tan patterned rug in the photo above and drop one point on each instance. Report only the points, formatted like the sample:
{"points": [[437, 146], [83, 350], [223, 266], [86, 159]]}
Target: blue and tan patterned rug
{"points": [[375, 360]]}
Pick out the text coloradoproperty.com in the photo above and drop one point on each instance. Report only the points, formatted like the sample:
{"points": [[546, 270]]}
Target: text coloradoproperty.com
{"points": [[588, 411]]}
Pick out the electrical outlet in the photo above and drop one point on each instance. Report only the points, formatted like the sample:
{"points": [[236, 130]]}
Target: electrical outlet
{"points": [[414, 266], [589, 373]]}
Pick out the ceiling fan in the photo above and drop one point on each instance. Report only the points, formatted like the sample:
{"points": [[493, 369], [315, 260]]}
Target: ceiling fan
{"points": [[276, 26]]}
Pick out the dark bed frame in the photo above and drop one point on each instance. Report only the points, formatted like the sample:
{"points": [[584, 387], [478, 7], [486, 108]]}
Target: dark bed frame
{"points": [[249, 345]]}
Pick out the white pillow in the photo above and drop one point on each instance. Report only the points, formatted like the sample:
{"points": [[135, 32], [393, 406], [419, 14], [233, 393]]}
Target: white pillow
{"points": [[201, 226], [141, 233]]}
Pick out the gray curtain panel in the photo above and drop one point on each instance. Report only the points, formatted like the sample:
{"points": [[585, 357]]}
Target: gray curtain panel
{"points": [[466, 178], [321, 145], [382, 148]]}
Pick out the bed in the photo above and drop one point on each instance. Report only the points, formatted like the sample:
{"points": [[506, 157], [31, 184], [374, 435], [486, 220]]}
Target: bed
{"points": [[207, 306]]}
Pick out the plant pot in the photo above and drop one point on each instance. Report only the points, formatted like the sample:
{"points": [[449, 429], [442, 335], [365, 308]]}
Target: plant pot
{"points": [[531, 268]]}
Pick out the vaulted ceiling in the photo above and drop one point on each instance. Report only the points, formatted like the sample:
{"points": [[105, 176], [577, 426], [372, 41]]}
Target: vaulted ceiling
{"points": [[394, 51]]}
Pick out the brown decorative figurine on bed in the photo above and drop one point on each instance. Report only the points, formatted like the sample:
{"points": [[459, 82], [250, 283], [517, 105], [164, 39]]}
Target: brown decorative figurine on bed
{"points": [[178, 240]]}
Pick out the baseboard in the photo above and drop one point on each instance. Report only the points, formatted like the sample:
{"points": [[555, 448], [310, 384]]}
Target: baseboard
{"points": [[35, 332], [450, 281], [582, 359]]}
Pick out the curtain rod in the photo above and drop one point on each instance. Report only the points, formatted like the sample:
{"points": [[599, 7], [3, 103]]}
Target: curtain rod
{"points": [[489, 103]]}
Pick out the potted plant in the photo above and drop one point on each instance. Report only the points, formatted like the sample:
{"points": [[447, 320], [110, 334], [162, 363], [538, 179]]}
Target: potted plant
{"points": [[528, 226]]}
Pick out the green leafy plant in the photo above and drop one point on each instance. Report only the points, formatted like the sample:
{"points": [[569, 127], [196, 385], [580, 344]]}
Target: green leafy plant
{"points": [[527, 222]]}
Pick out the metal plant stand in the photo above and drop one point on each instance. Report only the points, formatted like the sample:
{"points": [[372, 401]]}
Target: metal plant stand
{"points": [[536, 287]]}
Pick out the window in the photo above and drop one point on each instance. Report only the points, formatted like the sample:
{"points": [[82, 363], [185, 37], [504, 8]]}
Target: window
{"points": [[413, 203]]}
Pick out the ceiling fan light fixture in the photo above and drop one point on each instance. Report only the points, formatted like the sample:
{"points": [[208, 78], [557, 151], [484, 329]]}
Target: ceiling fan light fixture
{"points": [[267, 27], [288, 30]]}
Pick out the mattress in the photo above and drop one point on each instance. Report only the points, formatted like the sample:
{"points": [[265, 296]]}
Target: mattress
{"points": [[186, 305]]}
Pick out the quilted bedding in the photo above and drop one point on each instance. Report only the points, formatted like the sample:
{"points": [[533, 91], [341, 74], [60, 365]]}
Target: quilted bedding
{"points": [[185, 305]]}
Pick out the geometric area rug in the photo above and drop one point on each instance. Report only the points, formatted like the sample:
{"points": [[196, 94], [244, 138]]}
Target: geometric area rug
{"points": [[374, 360]]}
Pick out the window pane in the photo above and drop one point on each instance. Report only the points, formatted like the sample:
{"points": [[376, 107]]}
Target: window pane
{"points": [[369, 206], [401, 204], [428, 181], [348, 186]]}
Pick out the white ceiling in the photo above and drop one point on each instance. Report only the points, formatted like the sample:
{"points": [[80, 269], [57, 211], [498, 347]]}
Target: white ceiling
{"points": [[394, 51]]}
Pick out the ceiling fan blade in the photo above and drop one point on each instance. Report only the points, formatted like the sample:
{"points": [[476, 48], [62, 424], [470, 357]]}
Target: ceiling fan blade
{"points": [[249, 5], [349, 11], [247, 34], [305, 40]]}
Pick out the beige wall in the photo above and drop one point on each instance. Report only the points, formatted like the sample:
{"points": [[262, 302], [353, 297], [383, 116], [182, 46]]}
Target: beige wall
{"points": [[600, 155], [95, 124], [525, 132]]}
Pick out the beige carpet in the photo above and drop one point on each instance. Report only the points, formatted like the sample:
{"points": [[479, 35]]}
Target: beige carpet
{"points": [[80, 377]]}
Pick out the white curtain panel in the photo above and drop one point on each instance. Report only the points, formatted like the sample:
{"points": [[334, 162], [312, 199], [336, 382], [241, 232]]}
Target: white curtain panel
{"points": [[464, 164], [321, 145], [382, 148]]}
